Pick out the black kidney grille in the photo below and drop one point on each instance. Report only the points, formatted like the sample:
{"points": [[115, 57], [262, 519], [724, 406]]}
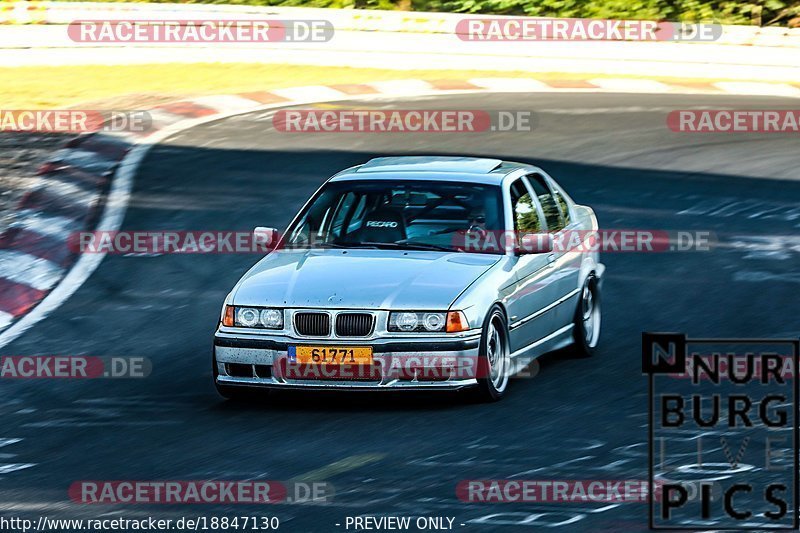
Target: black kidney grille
{"points": [[313, 324], [354, 324]]}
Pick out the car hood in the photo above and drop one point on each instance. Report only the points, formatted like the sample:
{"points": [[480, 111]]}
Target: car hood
{"points": [[357, 278]]}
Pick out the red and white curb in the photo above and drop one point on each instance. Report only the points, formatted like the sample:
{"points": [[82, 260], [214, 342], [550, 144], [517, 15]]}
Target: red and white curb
{"points": [[75, 191]]}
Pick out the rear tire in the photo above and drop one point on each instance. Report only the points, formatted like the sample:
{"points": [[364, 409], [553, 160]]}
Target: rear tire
{"points": [[494, 361], [586, 330]]}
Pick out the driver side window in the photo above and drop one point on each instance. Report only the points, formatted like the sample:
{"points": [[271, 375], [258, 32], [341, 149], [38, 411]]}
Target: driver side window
{"points": [[526, 216]]}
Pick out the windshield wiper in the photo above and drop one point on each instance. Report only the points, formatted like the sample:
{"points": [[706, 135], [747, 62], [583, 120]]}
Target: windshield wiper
{"points": [[388, 245], [420, 246], [426, 246], [332, 245], [345, 245]]}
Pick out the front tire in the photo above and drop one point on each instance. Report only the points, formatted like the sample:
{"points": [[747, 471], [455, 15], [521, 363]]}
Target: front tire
{"points": [[494, 361], [586, 330]]}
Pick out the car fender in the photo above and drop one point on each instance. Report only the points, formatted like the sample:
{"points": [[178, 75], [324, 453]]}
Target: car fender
{"points": [[591, 259], [487, 290]]}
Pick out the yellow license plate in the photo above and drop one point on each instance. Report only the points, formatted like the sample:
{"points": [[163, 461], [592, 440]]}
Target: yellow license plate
{"points": [[332, 355]]}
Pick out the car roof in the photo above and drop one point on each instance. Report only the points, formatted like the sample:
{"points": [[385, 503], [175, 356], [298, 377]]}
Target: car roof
{"points": [[433, 168]]}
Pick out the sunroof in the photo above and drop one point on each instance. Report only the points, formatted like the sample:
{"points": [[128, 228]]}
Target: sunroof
{"points": [[469, 165]]}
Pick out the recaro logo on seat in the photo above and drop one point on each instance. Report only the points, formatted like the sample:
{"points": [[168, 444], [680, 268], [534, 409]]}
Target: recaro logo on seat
{"points": [[381, 224]]}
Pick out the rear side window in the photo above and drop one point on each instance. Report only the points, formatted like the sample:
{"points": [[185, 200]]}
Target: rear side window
{"points": [[526, 217], [552, 214], [563, 205]]}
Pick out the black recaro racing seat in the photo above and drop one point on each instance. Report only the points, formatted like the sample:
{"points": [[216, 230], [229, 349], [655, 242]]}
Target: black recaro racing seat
{"points": [[383, 225]]}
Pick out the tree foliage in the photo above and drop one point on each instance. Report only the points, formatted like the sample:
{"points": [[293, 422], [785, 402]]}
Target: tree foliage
{"points": [[760, 12]]}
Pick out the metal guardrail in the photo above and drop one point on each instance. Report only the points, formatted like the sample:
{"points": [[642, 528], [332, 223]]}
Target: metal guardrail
{"points": [[54, 12]]}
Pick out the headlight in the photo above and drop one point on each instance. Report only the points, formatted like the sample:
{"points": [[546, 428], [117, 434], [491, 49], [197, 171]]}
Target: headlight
{"points": [[272, 319], [405, 321], [247, 317], [253, 317], [433, 321], [408, 321]]}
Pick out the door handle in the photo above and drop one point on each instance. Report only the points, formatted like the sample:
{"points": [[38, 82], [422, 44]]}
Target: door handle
{"points": [[551, 259]]}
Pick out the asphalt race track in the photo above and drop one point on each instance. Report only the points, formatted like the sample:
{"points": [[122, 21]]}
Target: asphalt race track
{"points": [[404, 454]]}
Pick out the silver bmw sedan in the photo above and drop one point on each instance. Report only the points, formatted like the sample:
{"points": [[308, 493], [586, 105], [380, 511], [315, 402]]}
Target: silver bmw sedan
{"points": [[416, 273]]}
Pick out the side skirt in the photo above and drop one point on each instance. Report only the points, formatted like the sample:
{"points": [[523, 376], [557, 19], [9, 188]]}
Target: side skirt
{"points": [[555, 341]]}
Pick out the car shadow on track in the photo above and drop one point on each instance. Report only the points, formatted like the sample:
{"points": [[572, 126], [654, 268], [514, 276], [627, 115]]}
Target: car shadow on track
{"points": [[348, 402]]}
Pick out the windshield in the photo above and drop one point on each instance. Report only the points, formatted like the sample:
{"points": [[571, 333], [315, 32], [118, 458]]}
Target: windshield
{"points": [[406, 214]]}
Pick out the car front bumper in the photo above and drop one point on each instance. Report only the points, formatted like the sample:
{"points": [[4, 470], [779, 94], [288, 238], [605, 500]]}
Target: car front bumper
{"points": [[417, 363]]}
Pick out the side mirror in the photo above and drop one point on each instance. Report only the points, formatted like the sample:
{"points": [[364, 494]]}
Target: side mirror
{"points": [[535, 243], [266, 237]]}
